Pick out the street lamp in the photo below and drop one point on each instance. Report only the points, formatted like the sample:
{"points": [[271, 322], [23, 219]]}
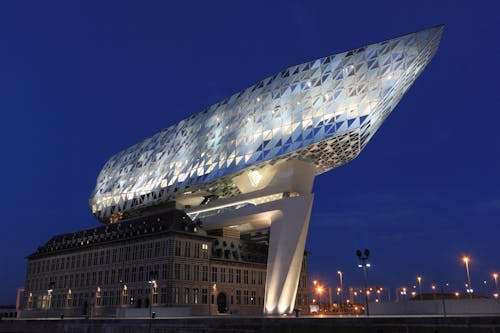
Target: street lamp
{"points": [[433, 287], [419, 279], [49, 297], [319, 291], [152, 283], [363, 257], [341, 287], [469, 286], [495, 277]]}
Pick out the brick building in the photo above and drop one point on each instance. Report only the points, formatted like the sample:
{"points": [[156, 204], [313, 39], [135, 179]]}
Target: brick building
{"points": [[163, 263]]}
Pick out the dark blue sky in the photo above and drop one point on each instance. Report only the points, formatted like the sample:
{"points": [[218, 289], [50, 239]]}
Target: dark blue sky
{"points": [[81, 80]]}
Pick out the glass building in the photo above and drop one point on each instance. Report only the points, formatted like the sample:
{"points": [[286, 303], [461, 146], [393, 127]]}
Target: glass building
{"points": [[249, 161]]}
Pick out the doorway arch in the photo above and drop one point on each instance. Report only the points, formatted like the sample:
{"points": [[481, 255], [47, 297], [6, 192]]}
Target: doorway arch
{"points": [[222, 303]]}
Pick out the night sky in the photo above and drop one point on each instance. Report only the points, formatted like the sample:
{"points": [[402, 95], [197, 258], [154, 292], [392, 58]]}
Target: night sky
{"points": [[82, 80]]}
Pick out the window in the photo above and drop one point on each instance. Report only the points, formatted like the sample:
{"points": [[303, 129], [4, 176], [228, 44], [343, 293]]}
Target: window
{"points": [[222, 275], [177, 271], [69, 298], [196, 272], [149, 252], [157, 249], [197, 247], [139, 251], [163, 295], [134, 274], [245, 276], [141, 274], [187, 271], [238, 296], [177, 249], [175, 294], [124, 295], [254, 296], [238, 276], [98, 296], [204, 273], [165, 247], [186, 295], [195, 296], [187, 249], [126, 276], [231, 275], [204, 248], [253, 277], [204, 296], [214, 274], [154, 292], [164, 271], [128, 251], [261, 277], [245, 297]]}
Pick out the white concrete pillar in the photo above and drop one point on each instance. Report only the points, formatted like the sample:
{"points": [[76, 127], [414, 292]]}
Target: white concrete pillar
{"points": [[286, 252]]}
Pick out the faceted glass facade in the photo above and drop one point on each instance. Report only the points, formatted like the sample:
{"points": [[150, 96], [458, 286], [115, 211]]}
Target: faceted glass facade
{"points": [[323, 112]]}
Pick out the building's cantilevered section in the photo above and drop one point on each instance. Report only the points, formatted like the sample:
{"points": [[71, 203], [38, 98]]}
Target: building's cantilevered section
{"points": [[250, 160]]}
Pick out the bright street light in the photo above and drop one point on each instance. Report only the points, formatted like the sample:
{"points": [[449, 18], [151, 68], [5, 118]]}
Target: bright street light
{"points": [[469, 286], [341, 287], [495, 277], [419, 279]]}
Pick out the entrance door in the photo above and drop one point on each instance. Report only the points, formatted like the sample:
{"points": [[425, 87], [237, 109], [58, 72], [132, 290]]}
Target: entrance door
{"points": [[222, 303]]}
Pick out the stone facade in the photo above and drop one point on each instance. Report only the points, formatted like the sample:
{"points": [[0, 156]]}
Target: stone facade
{"points": [[163, 263]]}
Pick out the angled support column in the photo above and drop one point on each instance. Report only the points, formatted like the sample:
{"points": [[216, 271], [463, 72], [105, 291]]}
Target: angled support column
{"points": [[286, 251]]}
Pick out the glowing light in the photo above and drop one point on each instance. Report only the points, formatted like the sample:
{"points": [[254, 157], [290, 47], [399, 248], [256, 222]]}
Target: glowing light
{"points": [[255, 177]]}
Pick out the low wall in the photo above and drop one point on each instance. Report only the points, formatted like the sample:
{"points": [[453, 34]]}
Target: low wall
{"points": [[235, 324], [437, 307], [160, 312]]}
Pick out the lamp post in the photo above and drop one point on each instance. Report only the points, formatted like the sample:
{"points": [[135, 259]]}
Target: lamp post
{"points": [[49, 297], [469, 286], [319, 291], [495, 277], [152, 283], [419, 279], [341, 287], [363, 257]]}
